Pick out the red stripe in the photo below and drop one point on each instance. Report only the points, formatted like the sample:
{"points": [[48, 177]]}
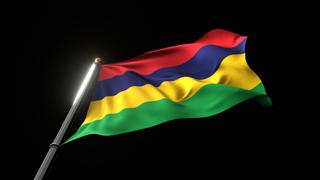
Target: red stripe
{"points": [[172, 56]]}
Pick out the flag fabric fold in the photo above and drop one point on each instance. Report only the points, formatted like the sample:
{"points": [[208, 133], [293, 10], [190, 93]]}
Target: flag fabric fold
{"points": [[193, 80]]}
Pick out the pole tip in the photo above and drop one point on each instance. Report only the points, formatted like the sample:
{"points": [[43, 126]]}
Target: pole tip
{"points": [[97, 60]]}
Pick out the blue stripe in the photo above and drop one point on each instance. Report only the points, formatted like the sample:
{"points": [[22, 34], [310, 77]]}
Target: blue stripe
{"points": [[202, 65]]}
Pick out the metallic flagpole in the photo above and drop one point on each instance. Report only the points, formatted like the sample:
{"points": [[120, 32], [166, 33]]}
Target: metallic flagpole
{"points": [[53, 147]]}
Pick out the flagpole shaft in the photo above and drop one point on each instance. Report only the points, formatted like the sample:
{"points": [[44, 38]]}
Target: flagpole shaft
{"points": [[56, 143], [53, 147], [45, 164]]}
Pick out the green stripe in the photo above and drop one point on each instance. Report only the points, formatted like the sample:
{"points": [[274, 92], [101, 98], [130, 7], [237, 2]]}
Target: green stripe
{"points": [[210, 100]]}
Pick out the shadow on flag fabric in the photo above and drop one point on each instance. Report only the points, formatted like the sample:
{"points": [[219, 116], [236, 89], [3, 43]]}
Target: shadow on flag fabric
{"points": [[193, 80]]}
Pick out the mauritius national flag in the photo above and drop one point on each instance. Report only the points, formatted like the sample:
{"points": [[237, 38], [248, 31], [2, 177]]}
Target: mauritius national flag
{"points": [[193, 80]]}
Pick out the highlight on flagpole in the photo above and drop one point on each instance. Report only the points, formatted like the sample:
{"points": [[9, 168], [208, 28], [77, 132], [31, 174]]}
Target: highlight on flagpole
{"points": [[87, 78], [53, 147]]}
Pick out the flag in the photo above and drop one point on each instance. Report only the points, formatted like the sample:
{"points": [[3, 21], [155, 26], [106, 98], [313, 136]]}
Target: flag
{"points": [[192, 80]]}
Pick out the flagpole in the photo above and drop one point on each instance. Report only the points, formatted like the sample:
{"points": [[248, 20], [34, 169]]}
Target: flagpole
{"points": [[53, 147]]}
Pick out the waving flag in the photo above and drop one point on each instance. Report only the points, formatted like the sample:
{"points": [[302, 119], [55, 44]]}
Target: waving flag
{"points": [[193, 80]]}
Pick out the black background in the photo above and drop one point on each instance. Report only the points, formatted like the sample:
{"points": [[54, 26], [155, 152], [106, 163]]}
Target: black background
{"points": [[57, 45]]}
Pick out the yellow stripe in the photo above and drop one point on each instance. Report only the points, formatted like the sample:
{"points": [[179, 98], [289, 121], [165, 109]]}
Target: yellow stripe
{"points": [[233, 71]]}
